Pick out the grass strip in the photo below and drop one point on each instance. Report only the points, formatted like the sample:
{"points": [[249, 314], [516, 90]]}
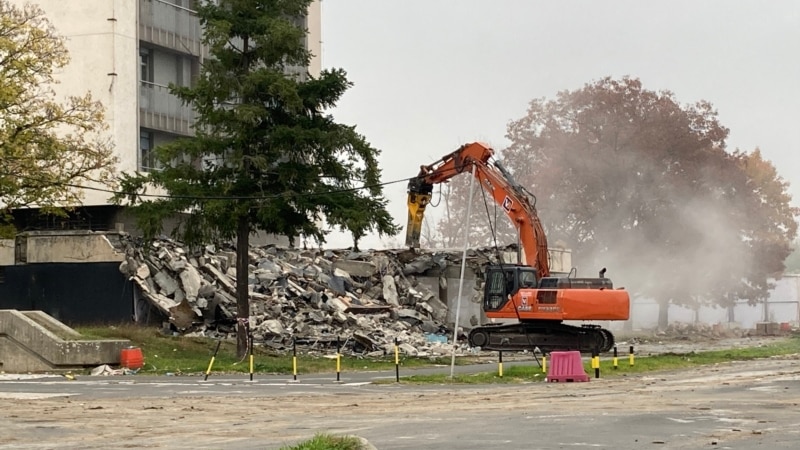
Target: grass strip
{"points": [[180, 355]]}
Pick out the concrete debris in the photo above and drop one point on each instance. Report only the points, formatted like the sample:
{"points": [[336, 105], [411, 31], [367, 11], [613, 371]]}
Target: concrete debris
{"points": [[718, 330], [366, 299], [106, 370]]}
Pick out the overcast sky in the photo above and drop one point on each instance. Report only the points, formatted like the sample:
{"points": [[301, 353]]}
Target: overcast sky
{"points": [[432, 74]]}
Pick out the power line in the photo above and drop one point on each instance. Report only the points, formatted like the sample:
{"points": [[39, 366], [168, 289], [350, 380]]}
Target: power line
{"points": [[226, 197], [232, 197]]}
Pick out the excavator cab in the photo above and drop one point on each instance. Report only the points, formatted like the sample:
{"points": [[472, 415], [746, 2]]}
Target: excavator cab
{"points": [[505, 280]]}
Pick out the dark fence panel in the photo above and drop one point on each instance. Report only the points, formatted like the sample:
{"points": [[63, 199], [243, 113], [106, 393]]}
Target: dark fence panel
{"points": [[72, 293]]}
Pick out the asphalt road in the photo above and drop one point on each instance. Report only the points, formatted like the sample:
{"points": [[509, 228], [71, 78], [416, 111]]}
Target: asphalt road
{"points": [[230, 385], [733, 406]]}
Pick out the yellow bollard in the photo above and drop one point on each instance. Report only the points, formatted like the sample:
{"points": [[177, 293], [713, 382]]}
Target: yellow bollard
{"points": [[396, 360], [250, 343], [500, 365], [211, 363], [294, 358], [338, 359]]}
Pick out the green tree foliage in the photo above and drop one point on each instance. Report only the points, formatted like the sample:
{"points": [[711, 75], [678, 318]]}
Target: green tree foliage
{"points": [[46, 146], [265, 156], [634, 181]]}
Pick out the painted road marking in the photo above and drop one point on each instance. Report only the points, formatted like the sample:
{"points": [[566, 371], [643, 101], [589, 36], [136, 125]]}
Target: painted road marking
{"points": [[33, 395]]}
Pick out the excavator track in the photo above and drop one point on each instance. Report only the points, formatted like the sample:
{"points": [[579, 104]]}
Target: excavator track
{"points": [[546, 335]]}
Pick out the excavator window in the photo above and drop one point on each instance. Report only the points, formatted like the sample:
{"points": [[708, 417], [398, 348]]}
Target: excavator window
{"points": [[496, 289], [527, 279], [511, 282]]}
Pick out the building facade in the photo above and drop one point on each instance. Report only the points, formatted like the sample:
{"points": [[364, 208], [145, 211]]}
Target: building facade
{"points": [[126, 53]]}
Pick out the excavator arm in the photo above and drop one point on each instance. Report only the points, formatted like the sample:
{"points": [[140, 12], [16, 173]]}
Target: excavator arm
{"points": [[497, 182]]}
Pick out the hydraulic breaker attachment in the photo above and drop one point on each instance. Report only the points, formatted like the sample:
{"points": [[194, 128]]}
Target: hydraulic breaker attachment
{"points": [[419, 195], [416, 212]]}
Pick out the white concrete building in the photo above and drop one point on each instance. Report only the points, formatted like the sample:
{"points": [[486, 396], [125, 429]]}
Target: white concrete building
{"points": [[126, 53]]}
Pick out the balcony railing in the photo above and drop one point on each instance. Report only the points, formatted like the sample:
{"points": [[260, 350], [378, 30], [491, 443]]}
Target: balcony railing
{"points": [[161, 110], [171, 26]]}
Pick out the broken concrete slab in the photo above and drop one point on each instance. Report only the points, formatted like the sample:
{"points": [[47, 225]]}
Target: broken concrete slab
{"points": [[142, 271], [390, 291], [191, 281], [166, 283], [363, 269]]}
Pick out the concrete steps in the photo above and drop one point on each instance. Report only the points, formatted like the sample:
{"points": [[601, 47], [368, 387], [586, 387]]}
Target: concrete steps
{"points": [[32, 341]]}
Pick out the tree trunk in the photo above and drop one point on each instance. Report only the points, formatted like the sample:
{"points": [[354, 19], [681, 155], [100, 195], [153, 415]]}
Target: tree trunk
{"points": [[242, 291], [663, 315], [243, 249]]}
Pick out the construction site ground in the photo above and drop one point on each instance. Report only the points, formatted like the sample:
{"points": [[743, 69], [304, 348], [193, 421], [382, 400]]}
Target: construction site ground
{"points": [[735, 405]]}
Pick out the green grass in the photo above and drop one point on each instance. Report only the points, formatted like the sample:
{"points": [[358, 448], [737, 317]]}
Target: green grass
{"points": [[327, 442], [515, 374], [679, 361], [192, 355], [665, 362]]}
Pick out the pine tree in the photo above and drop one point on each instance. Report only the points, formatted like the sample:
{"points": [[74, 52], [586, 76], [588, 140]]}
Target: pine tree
{"points": [[266, 156]]}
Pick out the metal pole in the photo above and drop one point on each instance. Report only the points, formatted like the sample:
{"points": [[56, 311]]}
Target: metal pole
{"points": [[250, 341], [396, 360], [463, 266]]}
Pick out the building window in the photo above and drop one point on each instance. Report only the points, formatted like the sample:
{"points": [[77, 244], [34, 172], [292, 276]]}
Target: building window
{"points": [[146, 65], [148, 160]]}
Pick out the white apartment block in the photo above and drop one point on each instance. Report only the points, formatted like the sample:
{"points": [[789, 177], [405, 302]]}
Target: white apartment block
{"points": [[126, 53]]}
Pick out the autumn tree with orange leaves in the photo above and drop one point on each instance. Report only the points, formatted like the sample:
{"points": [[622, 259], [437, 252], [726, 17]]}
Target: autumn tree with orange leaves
{"points": [[634, 181]]}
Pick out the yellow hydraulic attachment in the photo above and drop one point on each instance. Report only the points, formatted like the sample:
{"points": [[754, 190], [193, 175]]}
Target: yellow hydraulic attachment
{"points": [[416, 212]]}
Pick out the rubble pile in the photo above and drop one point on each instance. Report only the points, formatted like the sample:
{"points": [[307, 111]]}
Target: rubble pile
{"points": [[366, 300], [699, 329]]}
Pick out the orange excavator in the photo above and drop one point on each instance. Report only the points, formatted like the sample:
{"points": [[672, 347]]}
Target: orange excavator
{"points": [[529, 293]]}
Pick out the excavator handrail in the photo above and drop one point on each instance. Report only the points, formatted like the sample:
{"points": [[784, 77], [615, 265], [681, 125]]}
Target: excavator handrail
{"points": [[497, 182]]}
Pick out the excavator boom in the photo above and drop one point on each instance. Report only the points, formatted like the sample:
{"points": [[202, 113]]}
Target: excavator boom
{"points": [[497, 182]]}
